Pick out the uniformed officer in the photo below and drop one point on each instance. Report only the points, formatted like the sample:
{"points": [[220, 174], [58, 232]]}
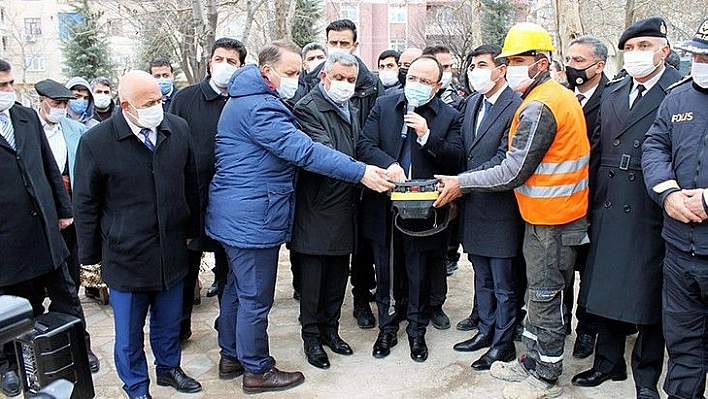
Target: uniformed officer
{"points": [[674, 162], [622, 283]]}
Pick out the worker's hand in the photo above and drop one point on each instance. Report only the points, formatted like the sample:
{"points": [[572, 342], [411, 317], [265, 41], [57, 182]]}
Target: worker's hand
{"points": [[694, 202], [376, 179], [449, 188], [416, 122], [396, 173], [675, 207], [64, 223]]}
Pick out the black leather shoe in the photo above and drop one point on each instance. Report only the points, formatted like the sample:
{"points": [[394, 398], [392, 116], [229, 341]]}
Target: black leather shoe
{"points": [[475, 343], [384, 342], [466, 324], [229, 369], [10, 385], [593, 377], [177, 379], [213, 290], [364, 316], [438, 318], [147, 396], [337, 344], [94, 363], [584, 345], [502, 355], [647, 393], [316, 356], [419, 350]]}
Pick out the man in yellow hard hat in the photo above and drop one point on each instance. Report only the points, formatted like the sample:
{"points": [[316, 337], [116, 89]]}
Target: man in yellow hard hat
{"points": [[547, 166]]}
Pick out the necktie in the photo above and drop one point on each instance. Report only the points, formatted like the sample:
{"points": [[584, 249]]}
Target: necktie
{"points": [[8, 132], [580, 98], [148, 143], [640, 91], [483, 115]]}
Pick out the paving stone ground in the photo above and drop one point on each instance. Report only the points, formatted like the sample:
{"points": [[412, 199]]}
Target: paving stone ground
{"points": [[446, 373]]}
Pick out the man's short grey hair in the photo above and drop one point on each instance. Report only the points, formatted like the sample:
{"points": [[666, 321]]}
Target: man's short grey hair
{"points": [[101, 81], [599, 49], [313, 46], [344, 59]]}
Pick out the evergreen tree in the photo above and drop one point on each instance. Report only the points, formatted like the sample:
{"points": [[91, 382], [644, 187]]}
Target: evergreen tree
{"points": [[85, 44], [497, 18], [305, 26]]}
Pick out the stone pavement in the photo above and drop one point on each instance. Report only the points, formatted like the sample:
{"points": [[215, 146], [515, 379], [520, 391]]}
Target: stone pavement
{"points": [[446, 373]]}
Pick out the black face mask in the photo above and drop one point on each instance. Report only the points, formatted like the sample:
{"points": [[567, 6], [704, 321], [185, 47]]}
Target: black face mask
{"points": [[402, 74], [577, 77]]}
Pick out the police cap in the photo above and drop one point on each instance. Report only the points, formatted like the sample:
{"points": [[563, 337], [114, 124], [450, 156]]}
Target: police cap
{"points": [[699, 43], [650, 27], [54, 90]]}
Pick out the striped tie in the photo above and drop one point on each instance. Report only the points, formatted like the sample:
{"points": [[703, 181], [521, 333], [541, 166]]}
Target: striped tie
{"points": [[8, 132], [148, 143]]}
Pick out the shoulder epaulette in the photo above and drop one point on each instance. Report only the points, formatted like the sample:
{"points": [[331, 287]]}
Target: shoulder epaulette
{"points": [[613, 81], [688, 78]]}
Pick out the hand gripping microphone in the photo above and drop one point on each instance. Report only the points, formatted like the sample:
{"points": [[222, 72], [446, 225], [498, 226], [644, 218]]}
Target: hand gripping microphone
{"points": [[410, 107]]}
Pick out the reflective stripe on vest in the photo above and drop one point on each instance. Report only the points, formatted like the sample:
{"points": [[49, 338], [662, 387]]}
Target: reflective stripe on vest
{"points": [[553, 191]]}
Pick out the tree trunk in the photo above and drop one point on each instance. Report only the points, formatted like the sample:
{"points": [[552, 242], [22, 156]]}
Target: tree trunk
{"points": [[568, 24]]}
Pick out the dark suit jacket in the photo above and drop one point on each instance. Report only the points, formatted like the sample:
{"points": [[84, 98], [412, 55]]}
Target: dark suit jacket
{"points": [[491, 224], [592, 107], [626, 248], [32, 199], [381, 144], [134, 208]]}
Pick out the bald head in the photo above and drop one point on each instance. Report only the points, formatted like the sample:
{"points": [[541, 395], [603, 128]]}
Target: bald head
{"points": [[408, 55], [138, 90]]}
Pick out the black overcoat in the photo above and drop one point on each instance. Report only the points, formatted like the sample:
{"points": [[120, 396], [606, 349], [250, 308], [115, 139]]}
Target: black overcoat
{"points": [[325, 207], [624, 267], [32, 200], [134, 208], [491, 224], [381, 144]]}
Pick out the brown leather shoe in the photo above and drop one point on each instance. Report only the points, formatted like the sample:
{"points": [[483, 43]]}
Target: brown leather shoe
{"points": [[229, 369], [271, 380]]}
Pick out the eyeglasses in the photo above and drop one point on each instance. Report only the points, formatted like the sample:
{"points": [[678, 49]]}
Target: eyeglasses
{"points": [[424, 81]]}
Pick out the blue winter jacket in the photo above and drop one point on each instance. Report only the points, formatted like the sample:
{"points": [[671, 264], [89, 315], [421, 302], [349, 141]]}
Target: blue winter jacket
{"points": [[259, 148]]}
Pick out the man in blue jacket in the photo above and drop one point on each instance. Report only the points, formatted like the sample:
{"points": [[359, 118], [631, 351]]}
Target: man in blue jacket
{"points": [[259, 148], [676, 178]]}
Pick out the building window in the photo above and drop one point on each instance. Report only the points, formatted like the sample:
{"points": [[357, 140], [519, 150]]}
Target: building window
{"points": [[33, 27], [397, 14], [35, 63], [397, 44], [350, 12]]}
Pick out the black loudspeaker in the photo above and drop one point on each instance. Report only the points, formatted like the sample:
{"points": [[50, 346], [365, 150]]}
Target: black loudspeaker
{"points": [[55, 349]]}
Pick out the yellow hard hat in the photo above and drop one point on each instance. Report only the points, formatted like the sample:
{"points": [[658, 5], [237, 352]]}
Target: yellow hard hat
{"points": [[524, 37]]}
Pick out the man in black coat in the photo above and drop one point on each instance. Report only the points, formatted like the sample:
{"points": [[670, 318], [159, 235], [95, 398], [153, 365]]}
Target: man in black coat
{"points": [[323, 229], [585, 63], [36, 207], [200, 105], [623, 279], [491, 226], [416, 144], [136, 204], [342, 37]]}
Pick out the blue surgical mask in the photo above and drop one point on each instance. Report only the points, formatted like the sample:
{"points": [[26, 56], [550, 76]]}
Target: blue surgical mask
{"points": [[165, 85], [417, 93], [78, 106]]}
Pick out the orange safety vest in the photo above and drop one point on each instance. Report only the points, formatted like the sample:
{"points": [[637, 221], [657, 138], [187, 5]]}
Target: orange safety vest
{"points": [[557, 192]]}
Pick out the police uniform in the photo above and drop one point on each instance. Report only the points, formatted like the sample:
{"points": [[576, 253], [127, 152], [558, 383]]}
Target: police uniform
{"points": [[674, 158]]}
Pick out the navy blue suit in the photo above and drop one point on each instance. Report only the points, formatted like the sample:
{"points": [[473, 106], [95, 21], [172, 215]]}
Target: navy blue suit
{"points": [[491, 226]]}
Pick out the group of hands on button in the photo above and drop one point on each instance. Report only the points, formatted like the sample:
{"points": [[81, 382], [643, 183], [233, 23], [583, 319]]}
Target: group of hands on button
{"points": [[686, 205]]}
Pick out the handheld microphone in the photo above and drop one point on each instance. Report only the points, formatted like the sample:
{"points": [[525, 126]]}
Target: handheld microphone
{"points": [[410, 107]]}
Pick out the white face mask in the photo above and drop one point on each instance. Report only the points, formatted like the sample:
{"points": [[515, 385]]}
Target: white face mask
{"points": [[518, 77], [221, 73], [101, 101], [55, 115], [340, 91], [335, 50], [313, 64], [389, 78], [446, 79], [639, 64], [699, 72], [288, 86], [149, 117], [481, 79], [7, 100]]}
